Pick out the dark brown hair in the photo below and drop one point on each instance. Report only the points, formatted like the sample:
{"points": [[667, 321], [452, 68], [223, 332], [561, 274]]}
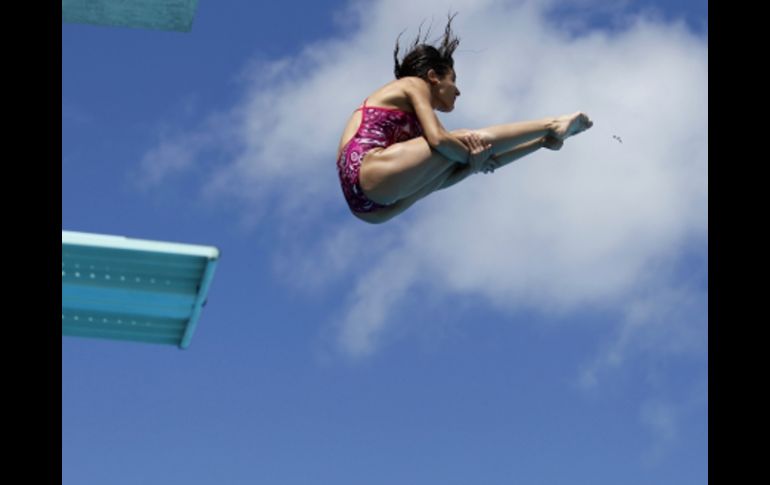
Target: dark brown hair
{"points": [[423, 57]]}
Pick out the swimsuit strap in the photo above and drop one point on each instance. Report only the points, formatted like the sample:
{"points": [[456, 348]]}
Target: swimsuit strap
{"points": [[362, 106]]}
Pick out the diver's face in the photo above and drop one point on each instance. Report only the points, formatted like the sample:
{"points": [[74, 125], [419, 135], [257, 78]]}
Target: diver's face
{"points": [[445, 90]]}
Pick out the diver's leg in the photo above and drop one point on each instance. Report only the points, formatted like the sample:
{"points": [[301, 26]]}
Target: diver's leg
{"points": [[408, 168], [507, 137], [450, 176], [497, 161], [387, 213], [401, 170]]}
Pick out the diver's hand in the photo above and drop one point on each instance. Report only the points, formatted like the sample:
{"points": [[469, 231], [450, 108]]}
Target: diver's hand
{"points": [[479, 152]]}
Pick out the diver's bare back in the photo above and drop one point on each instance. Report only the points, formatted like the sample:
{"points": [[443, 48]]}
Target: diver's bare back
{"points": [[392, 95]]}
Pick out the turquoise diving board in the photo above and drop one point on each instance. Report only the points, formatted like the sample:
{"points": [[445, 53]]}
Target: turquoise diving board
{"points": [[120, 288], [175, 15]]}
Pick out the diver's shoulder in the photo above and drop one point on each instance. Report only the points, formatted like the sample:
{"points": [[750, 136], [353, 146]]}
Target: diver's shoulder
{"points": [[411, 81], [396, 93], [408, 87]]}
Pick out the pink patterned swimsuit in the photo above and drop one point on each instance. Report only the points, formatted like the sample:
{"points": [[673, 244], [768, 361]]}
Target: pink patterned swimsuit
{"points": [[380, 128]]}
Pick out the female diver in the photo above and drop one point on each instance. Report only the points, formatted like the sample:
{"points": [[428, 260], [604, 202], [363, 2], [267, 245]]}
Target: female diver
{"points": [[394, 151]]}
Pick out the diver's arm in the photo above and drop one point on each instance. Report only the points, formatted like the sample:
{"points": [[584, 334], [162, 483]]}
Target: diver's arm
{"points": [[439, 139]]}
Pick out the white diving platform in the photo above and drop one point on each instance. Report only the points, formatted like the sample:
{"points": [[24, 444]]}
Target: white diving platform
{"points": [[171, 15], [120, 288]]}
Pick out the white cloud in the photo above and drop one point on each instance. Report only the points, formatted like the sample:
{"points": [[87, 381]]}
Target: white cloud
{"points": [[553, 232], [661, 419], [170, 157], [667, 321]]}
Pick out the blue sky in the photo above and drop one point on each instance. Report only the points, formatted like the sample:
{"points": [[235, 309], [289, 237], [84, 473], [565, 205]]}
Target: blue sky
{"points": [[544, 325]]}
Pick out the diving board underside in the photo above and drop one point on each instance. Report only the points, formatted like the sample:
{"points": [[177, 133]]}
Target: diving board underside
{"points": [[131, 289], [173, 15]]}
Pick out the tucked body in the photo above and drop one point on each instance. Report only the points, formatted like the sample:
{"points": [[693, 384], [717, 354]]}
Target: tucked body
{"points": [[394, 150]]}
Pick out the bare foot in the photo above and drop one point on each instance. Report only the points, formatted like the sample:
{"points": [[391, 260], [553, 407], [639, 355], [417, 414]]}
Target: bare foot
{"points": [[568, 125]]}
